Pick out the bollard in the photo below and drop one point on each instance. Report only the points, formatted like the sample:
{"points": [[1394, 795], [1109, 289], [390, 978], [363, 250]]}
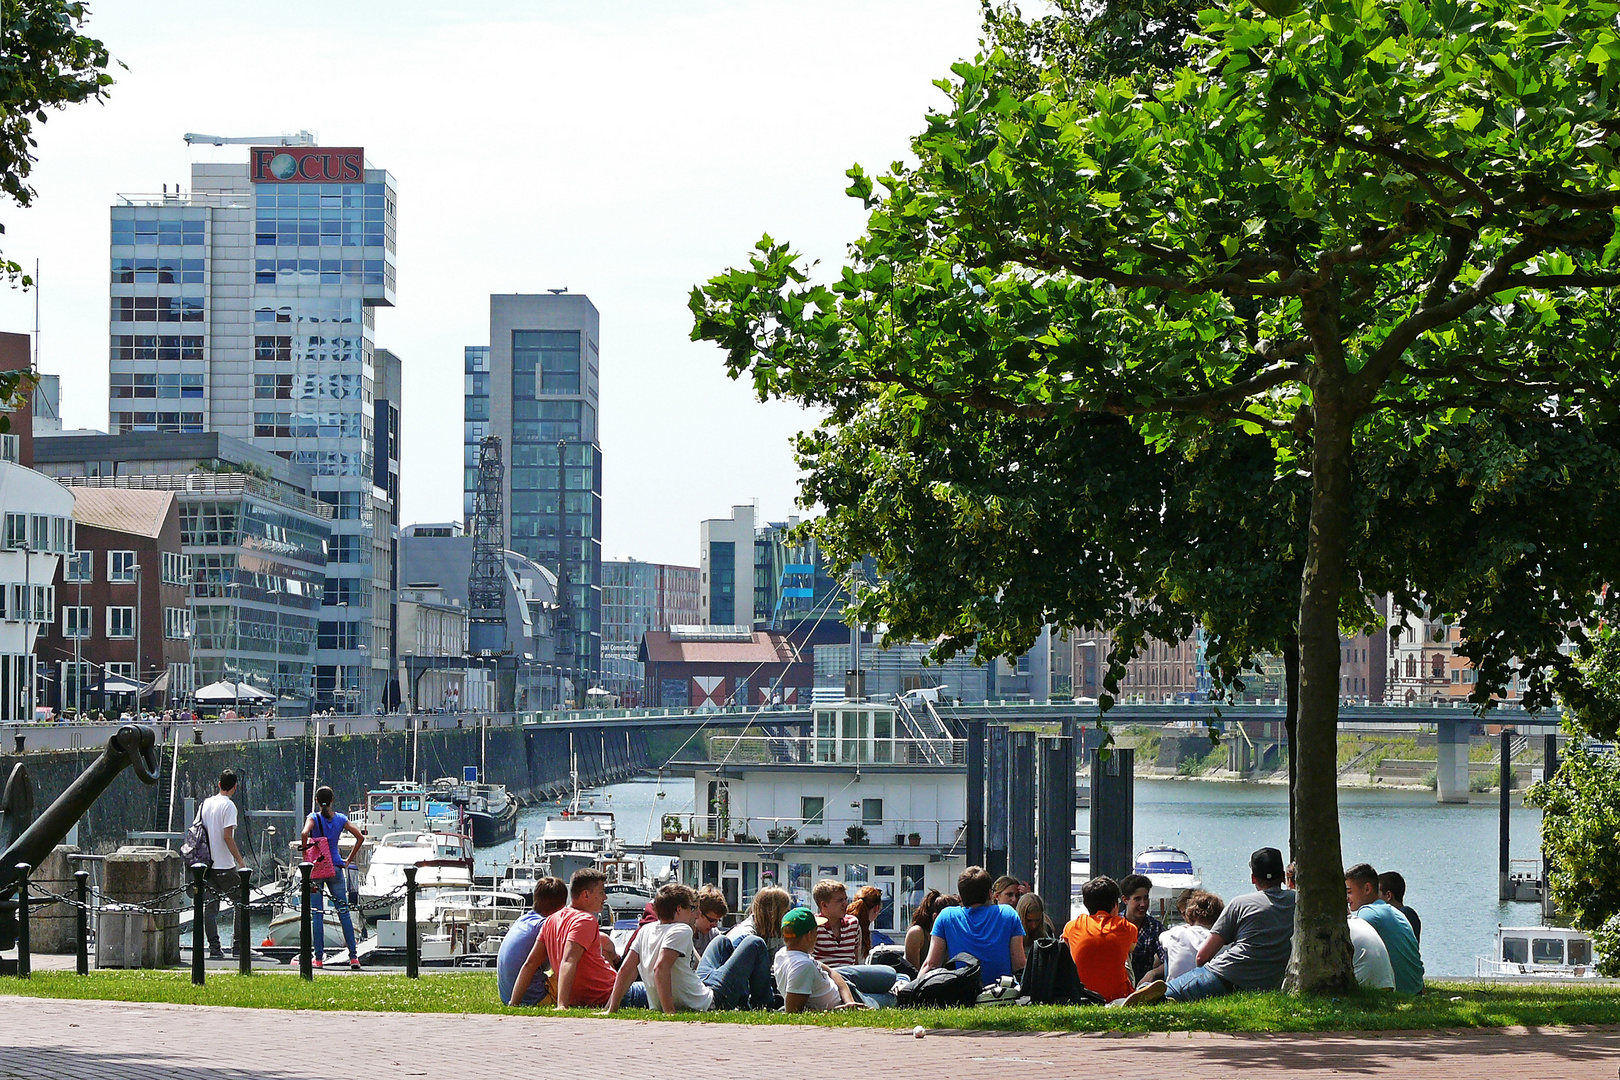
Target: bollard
{"points": [[305, 966], [24, 967], [81, 880], [244, 932], [196, 736], [20, 740], [199, 940], [411, 956]]}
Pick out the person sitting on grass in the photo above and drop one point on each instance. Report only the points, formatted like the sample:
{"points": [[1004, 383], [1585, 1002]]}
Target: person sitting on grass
{"points": [[764, 917], [839, 942], [989, 932], [1249, 946], [865, 908], [712, 911], [1373, 969], [1392, 888], [922, 925], [672, 975], [1101, 943], [805, 982], [1361, 891], [1134, 891], [1032, 913], [570, 943], [549, 894], [1179, 945], [1007, 890]]}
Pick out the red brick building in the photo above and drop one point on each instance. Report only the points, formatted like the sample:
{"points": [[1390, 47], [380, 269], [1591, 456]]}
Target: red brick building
{"points": [[698, 666]]}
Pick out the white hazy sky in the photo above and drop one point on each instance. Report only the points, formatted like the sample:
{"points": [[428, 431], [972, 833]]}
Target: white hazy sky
{"points": [[623, 150]]}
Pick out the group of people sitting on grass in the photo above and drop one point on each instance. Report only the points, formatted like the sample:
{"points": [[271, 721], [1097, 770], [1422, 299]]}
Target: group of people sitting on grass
{"points": [[819, 957]]}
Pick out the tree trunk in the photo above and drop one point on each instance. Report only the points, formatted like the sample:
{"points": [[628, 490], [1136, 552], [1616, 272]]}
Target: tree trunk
{"points": [[1322, 956], [1291, 726]]}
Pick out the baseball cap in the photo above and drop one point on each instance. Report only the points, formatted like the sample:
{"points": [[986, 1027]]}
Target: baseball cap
{"points": [[800, 921], [1267, 864]]}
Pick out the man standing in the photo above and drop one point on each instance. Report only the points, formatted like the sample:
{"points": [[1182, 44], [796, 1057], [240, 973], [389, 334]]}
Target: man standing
{"points": [[549, 894], [1249, 947], [571, 939], [218, 814], [1146, 963], [1361, 891]]}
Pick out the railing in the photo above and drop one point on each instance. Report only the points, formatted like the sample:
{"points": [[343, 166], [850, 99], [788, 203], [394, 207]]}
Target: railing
{"points": [[811, 750], [830, 830], [61, 736], [209, 484]]}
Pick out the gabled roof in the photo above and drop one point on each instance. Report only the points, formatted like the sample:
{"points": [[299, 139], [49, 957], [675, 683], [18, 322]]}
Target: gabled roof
{"points": [[763, 647], [126, 510]]}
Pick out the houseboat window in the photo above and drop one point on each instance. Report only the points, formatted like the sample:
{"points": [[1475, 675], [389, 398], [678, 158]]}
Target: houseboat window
{"points": [[1580, 951], [750, 880], [770, 874], [883, 732], [798, 882], [689, 873], [911, 891], [384, 804], [856, 874], [409, 804], [1516, 950], [871, 811], [711, 872], [730, 880], [813, 808], [825, 871], [1545, 950], [826, 735]]}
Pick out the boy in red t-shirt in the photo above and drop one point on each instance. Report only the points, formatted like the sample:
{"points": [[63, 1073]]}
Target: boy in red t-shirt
{"points": [[571, 940], [1101, 943]]}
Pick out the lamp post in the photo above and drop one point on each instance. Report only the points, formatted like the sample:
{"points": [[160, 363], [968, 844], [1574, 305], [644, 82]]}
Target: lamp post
{"points": [[140, 612]]}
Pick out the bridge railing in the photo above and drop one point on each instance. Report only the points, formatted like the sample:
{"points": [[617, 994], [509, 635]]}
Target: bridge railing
{"points": [[831, 829]]}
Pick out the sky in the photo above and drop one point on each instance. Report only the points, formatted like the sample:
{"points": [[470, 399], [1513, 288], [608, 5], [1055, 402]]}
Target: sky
{"points": [[623, 150]]}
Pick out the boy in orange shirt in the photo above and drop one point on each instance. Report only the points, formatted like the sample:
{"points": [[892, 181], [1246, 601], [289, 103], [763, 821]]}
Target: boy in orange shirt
{"points": [[1101, 943]]}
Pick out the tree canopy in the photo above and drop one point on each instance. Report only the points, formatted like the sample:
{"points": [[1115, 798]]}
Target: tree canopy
{"points": [[1347, 229]]}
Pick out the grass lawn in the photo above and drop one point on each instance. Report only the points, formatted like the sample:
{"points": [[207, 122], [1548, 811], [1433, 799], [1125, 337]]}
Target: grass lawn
{"points": [[1453, 1005]]}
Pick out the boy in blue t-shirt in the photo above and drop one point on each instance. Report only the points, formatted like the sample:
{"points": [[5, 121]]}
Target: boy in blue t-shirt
{"points": [[991, 932]]}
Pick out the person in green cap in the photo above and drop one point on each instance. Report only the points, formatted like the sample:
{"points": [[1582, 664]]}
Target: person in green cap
{"points": [[803, 981]]}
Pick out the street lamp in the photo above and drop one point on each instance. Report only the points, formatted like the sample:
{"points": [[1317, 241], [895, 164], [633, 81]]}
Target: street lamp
{"points": [[140, 605]]}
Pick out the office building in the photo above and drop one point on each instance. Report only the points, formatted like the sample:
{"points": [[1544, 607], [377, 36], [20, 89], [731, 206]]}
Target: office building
{"points": [[638, 597], [725, 564], [246, 306], [536, 386], [763, 575]]}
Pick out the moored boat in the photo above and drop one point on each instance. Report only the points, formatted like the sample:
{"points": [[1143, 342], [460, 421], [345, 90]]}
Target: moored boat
{"points": [[490, 810], [1173, 876], [1539, 952]]}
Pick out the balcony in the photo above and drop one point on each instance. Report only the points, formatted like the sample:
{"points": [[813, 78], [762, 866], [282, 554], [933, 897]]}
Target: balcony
{"points": [[830, 750], [774, 834]]}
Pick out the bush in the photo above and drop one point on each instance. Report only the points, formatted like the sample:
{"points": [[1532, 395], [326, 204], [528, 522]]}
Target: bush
{"points": [[856, 834]]}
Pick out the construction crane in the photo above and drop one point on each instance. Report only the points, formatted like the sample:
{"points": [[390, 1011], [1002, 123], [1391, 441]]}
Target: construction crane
{"points": [[303, 138]]}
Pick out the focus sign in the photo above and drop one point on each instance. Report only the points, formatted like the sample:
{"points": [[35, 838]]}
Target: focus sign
{"points": [[307, 165]]}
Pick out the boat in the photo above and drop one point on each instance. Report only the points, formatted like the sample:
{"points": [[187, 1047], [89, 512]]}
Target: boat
{"points": [[490, 810], [405, 806], [576, 841], [1173, 875], [442, 860], [1539, 952], [456, 927]]}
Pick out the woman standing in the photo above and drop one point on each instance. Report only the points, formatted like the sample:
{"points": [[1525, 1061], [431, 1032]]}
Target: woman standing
{"points": [[325, 822]]}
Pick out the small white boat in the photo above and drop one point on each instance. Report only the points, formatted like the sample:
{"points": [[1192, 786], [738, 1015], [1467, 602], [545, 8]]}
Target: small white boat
{"points": [[1173, 875], [1539, 952], [441, 859]]}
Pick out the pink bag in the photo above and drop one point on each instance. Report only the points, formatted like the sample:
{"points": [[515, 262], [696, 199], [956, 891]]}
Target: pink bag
{"points": [[319, 852]]}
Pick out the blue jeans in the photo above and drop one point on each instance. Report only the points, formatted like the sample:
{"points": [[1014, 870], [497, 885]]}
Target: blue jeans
{"points": [[739, 972], [1197, 984], [874, 984], [635, 996], [317, 906]]}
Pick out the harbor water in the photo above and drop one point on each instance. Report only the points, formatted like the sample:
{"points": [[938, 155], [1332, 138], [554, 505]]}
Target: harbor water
{"points": [[1448, 853]]}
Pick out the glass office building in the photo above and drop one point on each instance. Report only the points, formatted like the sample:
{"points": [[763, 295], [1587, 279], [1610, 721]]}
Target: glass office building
{"points": [[247, 306], [536, 385]]}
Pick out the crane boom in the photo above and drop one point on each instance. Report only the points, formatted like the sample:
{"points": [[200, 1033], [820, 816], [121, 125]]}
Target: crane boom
{"points": [[303, 138]]}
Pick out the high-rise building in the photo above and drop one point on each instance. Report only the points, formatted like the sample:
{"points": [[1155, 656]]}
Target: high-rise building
{"points": [[246, 306], [765, 576], [536, 386], [725, 563], [638, 597]]}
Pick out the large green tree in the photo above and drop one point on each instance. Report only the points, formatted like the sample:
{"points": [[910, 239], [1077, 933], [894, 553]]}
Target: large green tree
{"points": [[1343, 227]]}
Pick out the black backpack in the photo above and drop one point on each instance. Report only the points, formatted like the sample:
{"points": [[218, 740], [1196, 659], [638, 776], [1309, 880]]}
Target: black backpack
{"points": [[944, 986], [1050, 978]]}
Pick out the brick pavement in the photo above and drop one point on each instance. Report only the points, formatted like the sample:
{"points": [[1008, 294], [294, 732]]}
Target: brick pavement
{"points": [[41, 1039]]}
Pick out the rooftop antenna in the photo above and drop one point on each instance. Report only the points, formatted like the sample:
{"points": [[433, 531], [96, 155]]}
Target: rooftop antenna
{"points": [[34, 366], [558, 292]]}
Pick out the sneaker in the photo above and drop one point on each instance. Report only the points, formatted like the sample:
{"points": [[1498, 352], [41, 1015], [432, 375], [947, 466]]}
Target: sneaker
{"points": [[316, 962], [216, 953], [1146, 994], [354, 963]]}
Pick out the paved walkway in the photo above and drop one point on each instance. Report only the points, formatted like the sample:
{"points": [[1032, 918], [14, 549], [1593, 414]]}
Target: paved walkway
{"points": [[42, 1039]]}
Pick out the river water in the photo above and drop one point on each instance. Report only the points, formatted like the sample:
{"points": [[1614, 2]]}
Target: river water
{"points": [[1448, 853]]}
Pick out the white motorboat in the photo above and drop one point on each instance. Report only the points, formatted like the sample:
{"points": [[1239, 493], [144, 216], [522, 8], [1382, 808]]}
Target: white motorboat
{"points": [[442, 860], [1173, 875], [460, 927], [576, 841], [1539, 952]]}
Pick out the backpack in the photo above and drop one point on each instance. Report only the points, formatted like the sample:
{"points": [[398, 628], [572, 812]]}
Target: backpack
{"points": [[195, 848], [1050, 977], [944, 986]]}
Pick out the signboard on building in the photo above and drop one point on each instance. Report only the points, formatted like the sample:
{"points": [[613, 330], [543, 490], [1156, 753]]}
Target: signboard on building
{"points": [[307, 165]]}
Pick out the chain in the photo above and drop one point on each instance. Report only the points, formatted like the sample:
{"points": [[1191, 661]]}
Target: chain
{"points": [[273, 902]]}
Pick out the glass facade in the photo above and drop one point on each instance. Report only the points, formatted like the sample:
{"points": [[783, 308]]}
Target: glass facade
{"points": [[722, 583], [158, 318]]}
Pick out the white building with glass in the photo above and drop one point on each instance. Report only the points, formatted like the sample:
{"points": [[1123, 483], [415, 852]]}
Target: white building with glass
{"points": [[36, 530]]}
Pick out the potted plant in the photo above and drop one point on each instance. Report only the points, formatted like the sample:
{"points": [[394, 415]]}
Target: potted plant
{"points": [[745, 838], [782, 834], [856, 834], [915, 839], [671, 827], [818, 841], [899, 838]]}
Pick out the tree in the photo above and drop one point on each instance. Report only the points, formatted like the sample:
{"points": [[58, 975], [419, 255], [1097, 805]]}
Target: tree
{"points": [[1344, 227]]}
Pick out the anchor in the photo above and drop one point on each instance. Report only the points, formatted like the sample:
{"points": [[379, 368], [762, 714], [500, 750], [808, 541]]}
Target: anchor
{"points": [[28, 838]]}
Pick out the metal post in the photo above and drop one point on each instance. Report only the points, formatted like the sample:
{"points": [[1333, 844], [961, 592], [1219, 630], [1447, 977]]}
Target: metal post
{"points": [[1053, 837], [24, 965], [1549, 768], [975, 793], [81, 881], [306, 967], [1021, 807], [995, 824], [1504, 873], [411, 956], [1113, 814], [244, 931], [199, 945]]}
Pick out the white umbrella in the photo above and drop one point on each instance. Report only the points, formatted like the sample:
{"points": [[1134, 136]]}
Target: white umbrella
{"points": [[231, 691], [115, 684]]}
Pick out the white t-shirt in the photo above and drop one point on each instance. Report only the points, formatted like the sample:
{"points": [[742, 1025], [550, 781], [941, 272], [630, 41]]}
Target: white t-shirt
{"points": [[219, 814], [650, 943], [1372, 956], [1181, 944], [799, 973]]}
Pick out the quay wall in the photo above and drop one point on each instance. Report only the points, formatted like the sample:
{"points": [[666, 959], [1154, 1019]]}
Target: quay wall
{"points": [[534, 763]]}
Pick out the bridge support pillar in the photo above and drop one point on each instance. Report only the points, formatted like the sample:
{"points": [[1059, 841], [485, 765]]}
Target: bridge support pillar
{"points": [[1451, 764]]}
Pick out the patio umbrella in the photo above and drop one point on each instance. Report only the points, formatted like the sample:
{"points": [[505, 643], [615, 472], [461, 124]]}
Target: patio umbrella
{"points": [[222, 691], [115, 684]]}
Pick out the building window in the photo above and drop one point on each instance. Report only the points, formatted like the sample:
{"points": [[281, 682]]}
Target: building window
{"points": [[120, 622], [176, 569], [8, 448], [813, 809], [723, 577], [121, 566], [76, 622], [871, 811], [176, 623], [32, 603], [16, 530]]}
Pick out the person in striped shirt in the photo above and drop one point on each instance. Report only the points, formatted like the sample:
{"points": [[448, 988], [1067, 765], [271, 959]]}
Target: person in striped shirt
{"points": [[839, 941]]}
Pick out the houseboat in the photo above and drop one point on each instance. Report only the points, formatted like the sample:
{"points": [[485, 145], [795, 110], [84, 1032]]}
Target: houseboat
{"points": [[854, 801], [490, 811], [1539, 952]]}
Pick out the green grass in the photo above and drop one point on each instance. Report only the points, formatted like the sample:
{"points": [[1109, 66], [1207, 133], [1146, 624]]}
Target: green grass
{"points": [[1445, 1005]]}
